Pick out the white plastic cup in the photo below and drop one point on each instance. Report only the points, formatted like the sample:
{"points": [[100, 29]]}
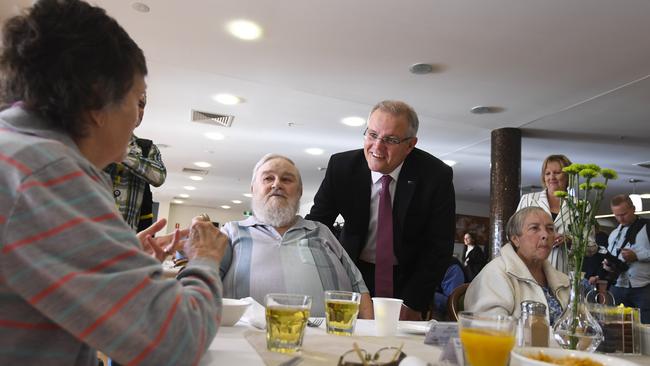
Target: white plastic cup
{"points": [[386, 315]]}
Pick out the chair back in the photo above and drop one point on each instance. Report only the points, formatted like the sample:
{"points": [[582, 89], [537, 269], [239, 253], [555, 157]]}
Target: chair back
{"points": [[455, 301]]}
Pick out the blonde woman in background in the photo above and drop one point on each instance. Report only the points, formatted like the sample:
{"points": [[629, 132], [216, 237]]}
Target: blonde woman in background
{"points": [[553, 180]]}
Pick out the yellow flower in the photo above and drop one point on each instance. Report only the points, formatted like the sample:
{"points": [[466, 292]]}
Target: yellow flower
{"points": [[588, 173], [609, 173], [598, 185], [561, 194], [571, 169], [583, 186], [592, 167]]}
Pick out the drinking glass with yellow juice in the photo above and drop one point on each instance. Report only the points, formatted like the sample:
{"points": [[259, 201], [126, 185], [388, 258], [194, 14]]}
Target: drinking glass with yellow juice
{"points": [[487, 338], [341, 310], [286, 318]]}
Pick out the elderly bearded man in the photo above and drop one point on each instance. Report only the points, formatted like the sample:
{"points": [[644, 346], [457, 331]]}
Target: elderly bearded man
{"points": [[276, 250]]}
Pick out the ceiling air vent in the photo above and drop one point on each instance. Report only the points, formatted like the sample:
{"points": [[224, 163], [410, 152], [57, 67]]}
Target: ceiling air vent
{"points": [[644, 164], [195, 171], [214, 119]]}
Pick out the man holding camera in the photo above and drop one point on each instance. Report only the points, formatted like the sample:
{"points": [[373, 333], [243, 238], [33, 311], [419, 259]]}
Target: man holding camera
{"points": [[629, 247]]}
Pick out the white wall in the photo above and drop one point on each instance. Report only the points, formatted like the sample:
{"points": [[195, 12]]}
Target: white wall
{"points": [[183, 214], [472, 208]]}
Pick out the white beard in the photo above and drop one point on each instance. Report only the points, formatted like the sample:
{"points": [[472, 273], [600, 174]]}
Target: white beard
{"points": [[275, 211]]}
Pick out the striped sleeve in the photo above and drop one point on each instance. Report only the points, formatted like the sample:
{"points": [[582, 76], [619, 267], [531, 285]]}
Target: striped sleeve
{"points": [[74, 265]]}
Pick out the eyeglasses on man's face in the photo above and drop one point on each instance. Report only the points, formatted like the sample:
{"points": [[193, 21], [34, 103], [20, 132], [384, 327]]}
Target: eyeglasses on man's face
{"points": [[388, 140]]}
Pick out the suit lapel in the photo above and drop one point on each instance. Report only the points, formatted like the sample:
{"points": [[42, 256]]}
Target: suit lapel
{"points": [[406, 184], [363, 183]]}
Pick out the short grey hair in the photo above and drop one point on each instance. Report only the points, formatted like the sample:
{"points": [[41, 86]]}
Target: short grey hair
{"points": [[515, 226], [272, 156], [399, 108]]}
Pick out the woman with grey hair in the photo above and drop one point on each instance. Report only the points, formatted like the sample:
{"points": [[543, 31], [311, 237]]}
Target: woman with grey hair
{"points": [[75, 277], [522, 271]]}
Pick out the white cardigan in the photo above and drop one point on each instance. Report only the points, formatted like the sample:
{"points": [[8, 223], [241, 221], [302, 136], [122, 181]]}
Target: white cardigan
{"points": [[506, 281], [558, 254]]}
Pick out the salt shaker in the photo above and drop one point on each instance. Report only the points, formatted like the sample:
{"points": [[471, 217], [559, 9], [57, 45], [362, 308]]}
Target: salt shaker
{"points": [[533, 326]]}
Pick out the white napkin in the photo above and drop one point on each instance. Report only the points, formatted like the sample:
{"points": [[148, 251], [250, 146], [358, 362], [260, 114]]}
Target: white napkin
{"points": [[255, 315]]}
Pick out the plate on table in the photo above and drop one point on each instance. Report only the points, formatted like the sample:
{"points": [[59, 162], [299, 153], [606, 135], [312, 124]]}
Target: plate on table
{"points": [[415, 327], [521, 357]]}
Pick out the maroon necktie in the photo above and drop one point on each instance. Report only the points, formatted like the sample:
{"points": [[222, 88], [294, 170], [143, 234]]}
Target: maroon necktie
{"points": [[384, 249]]}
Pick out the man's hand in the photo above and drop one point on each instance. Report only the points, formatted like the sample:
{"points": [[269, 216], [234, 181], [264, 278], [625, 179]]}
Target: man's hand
{"points": [[409, 314], [593, 280], [161, 246], [629, 255], [365, 307], [205, 240]]}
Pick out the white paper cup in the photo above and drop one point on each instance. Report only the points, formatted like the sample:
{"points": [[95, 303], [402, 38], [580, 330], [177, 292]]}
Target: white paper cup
{"points": [[386, 315]]}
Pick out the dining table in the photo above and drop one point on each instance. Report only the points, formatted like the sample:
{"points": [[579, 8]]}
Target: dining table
{"points": [[245, 345]]}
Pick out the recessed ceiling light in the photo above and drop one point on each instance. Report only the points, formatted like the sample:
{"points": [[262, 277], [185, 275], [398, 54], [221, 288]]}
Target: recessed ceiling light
{"points": [[195, 177], [249, 195], [178, 201], [214, 136], [141, 7], [482, 109], [421, 68], [189, 188], [184, 195], [225, 207], [227, 99], [314, 151], [236, 201], [244, 29], [353, 121], [449, 162], [202, 164]]}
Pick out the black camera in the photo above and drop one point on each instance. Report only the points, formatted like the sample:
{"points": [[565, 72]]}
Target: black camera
{"points": [[617, 265]]}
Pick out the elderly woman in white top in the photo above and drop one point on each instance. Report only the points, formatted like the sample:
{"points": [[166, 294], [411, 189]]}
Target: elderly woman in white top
{"points": [[522, 271], [553, 180]]}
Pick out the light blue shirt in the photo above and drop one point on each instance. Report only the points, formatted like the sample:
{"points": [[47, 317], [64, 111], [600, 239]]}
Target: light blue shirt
{"points": [[307, 259]]}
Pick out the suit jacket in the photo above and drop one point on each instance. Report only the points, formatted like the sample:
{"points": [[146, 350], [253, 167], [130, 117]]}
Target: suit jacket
{"points": [[476, 261], [423, 217]]}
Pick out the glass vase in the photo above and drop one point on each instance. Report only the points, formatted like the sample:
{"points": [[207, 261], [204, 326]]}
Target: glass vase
{"points": [[577, 329]]}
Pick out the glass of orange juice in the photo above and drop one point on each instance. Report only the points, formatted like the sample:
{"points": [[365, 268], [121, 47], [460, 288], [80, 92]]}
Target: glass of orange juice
{"points": [[487, 338]]}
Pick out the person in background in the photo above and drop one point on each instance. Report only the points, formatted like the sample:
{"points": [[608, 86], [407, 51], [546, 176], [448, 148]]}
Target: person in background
{"points": [[522, 271], [143, 166], [454, 277], [277, 251], [398, 204], [553, 180], [592, 265], [474, 258], [629, 247], [75, 278]]}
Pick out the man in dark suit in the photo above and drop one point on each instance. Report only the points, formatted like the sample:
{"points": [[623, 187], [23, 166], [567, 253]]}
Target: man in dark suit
{"points": [[417, 198]]}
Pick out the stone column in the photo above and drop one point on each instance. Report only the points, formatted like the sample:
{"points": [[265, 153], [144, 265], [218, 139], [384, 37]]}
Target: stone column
{"points": [[505, 179]]}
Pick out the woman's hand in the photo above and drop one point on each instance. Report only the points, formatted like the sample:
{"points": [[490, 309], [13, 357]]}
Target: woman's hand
{"points": [[162, 246], [559, 240], [205, 240]]}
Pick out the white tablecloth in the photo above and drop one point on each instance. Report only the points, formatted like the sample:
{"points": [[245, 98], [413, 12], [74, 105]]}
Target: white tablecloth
{"points": [[231, 348]]}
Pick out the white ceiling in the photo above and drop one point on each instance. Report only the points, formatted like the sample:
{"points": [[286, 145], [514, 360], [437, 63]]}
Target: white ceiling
{"points": [[573, 74]]}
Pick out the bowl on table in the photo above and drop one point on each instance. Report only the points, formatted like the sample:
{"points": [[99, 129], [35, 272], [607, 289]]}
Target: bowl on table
{"points": [[233, 310], [524, 356]]}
